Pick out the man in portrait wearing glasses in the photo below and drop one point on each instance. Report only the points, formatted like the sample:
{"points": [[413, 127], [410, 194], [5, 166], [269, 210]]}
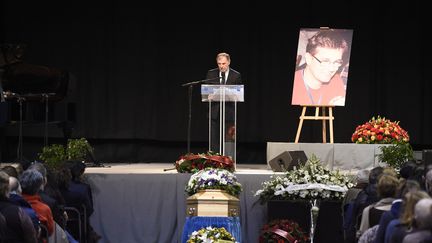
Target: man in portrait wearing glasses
{"points": [[318, 81]]}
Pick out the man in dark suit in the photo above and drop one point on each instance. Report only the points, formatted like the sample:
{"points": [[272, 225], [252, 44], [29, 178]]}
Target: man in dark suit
{"points": [[227, 76]]}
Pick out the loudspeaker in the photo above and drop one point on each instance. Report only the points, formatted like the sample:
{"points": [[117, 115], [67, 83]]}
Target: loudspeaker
{"points": [[287, 160], [427, 159]]}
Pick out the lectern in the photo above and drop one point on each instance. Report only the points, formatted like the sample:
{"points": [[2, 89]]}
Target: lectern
{"points": [[222, 116]]}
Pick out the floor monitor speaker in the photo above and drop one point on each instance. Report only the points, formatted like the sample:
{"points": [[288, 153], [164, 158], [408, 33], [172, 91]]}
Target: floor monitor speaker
{"points": [[287, 160]]}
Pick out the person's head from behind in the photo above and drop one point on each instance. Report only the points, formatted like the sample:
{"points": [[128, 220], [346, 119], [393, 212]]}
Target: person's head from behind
{"points": [[390, 171], [77, 169], [428, 182], [387, 186], [10, 170], [325, 53], [374, 174], [4, 185], [406, 186], [362, 177], [31, 181], [41, 168], [64, 177], [407, 169], [408, 203], [223, 61], [423, 214], [14, 186]]}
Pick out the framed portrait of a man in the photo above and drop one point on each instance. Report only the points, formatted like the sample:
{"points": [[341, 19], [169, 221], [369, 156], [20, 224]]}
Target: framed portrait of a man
{"points": [[322, 64]]}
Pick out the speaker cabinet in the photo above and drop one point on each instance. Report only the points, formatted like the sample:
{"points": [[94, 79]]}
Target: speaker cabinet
{"points": [[287, 160]]}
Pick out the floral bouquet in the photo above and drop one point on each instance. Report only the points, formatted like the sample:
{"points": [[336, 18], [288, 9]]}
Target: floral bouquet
{"points": [[310, 181], [191, 163], [210, 235], [282, 230], [214, 178], [380, 131]]}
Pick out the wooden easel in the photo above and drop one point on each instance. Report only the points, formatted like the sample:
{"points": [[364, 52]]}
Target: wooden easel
{"points": [[323, 117]]}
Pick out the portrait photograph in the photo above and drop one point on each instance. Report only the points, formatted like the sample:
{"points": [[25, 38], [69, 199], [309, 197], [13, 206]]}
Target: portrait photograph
{"points": [[322, 64]]}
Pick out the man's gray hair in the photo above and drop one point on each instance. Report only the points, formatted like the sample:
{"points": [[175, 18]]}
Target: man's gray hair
{"points": [[31, 181], [423, 213]]}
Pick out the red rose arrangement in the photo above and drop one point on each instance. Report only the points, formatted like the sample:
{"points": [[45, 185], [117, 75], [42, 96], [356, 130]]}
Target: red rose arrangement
{"points": [[380, 131], [281, 231], [191, 163]]}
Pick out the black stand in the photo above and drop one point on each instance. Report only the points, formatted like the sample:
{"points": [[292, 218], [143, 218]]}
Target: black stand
{"points": [[190, 85], [46, 99], [20, 158]]}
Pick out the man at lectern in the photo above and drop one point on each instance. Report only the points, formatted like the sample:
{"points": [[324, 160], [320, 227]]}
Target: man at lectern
{"points": [[227, 76]]}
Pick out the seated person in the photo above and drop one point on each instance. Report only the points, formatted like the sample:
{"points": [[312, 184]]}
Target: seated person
{"points": [[17, 225], [387, 187], [422, 222], [31, 182]]}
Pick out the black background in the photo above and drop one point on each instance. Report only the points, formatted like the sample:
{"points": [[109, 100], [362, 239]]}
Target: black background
{"points": [[128, 61]]}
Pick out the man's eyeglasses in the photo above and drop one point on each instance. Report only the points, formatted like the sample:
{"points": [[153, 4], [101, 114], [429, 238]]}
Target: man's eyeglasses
{"points": [[327, 63]]}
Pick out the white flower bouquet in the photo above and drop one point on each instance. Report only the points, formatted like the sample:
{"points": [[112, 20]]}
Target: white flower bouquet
{"points": [[214, 178], [310, 181]]}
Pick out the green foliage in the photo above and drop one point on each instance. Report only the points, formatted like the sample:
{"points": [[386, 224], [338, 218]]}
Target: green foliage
{"points": [[77, 149], [52, 155], [55, 154], [396, 154]]}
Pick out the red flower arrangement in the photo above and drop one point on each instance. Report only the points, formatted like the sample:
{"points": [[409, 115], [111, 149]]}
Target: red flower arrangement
{"points": [[380, 130], [281, 231], [191, 163]]}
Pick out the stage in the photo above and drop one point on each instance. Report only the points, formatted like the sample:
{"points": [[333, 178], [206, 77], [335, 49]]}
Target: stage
{"points": [[144, 203]]}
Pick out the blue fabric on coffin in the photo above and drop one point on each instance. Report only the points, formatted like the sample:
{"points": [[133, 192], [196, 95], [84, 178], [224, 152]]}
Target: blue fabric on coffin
{"points": [[231, 224]]}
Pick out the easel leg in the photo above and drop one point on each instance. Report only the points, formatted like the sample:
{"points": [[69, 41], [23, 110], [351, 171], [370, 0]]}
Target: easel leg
{"points": [[300, 124], [324, 128], [331, 124]]}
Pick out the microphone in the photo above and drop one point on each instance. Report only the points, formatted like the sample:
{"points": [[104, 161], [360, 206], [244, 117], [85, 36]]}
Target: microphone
{"points": [[202, 81]]}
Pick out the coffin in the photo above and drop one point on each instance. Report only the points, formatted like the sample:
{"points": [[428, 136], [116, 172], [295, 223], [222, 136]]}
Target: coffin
{"points": [[213, 203]]}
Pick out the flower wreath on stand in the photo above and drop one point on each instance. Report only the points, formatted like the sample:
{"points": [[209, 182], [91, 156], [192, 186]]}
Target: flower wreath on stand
{"points": [[191, 163], [214, 178], [211, 234], [312, 182], [282, 230]]}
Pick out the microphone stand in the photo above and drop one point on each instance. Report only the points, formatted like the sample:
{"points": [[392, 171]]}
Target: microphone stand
{"points": [[190, 86]]}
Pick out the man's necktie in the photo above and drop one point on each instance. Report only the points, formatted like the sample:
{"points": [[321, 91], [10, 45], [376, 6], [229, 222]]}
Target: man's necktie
{"points": [[223, 77]]}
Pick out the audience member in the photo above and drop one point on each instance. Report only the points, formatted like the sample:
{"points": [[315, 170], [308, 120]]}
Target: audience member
{"points": [[428, 182], [387, 186], [16, 198], [398, 228], [77, 194], [405, 186], [50, 195], [407, 169], [10, 170], [422, 222], [17, 224], [31, 182], [366, 197]]}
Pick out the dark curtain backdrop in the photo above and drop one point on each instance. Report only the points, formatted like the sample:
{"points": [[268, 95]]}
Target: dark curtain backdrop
{"points": [[128, 61]]}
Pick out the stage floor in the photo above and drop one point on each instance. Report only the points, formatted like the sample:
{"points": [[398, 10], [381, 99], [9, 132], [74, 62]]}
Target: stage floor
{"points": [[166, 168]]}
